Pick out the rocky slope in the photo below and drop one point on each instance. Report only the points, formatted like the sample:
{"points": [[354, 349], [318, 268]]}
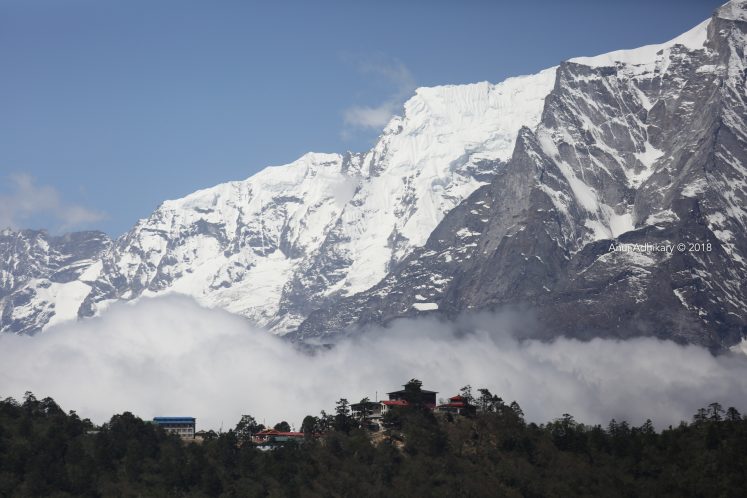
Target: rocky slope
{"points": [[636, 151]]}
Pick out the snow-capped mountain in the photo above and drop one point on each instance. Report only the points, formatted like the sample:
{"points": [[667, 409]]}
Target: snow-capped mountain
{"points": [[637, 151], [535, 193], [43, 279], [290, 238]]}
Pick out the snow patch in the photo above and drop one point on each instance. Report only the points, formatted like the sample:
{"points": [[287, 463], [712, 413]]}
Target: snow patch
{"points": [[425, 306], [695, 188], [620, 224], [64, 299], [647, 158], [665, 216]]}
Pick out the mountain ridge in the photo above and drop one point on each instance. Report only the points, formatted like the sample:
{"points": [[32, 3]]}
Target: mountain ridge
{"points": [[481, 196], [585, 181], [334, 222]]}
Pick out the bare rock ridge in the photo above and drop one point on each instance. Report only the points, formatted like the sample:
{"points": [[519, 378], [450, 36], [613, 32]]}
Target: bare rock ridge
{"points": [[544, 192], [635, 150]]}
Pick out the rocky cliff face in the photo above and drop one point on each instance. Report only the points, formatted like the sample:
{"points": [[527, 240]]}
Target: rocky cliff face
{"points": [[621, 213]]}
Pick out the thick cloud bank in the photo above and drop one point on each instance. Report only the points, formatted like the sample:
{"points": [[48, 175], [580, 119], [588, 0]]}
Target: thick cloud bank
{"points": [[168, 356]]}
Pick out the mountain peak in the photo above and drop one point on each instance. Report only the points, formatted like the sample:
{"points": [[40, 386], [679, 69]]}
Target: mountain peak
{"points": [[308, 235], [735, 10], [640, 149], [692, 39]]}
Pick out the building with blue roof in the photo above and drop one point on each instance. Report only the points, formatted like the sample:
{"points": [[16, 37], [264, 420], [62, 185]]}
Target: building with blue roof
{"points": [[183, 427]]}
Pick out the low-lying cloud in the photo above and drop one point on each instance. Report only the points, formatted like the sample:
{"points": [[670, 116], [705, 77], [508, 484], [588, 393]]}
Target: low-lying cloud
{"points": [[169, 356]]}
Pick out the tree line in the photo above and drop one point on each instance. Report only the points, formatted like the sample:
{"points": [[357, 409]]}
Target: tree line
{"points": [[490, 451]]}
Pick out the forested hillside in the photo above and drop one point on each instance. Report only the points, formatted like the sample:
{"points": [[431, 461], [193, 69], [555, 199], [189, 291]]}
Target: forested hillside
{"points": [[491, 451]]}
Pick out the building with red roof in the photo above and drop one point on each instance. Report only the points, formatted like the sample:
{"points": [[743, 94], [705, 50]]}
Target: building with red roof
{"points": [[457, 405], [373, 411]]}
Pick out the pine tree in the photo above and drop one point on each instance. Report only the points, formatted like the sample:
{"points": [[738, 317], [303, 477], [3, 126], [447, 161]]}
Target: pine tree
{"points": [[517, 410], [466, 393], [485, 401], [700, 416], [715, 412], [732, 414], [326, 421], [366, 410], [246, 428], [343, 421]]}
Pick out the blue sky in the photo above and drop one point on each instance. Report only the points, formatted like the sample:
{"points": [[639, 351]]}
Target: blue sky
{"points": [[109, 107]]}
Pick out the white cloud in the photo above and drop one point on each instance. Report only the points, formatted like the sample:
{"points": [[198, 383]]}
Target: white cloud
{"points": [[396, 74], [26, 199], [370, 117], [168, 356]]}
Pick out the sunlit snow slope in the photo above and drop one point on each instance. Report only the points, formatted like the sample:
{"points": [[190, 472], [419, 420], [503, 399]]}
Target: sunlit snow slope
{"points": [[286, 240]]}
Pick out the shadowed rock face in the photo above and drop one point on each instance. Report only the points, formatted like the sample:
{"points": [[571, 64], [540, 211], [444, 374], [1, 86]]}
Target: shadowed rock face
{"points": [[651, 150]]}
